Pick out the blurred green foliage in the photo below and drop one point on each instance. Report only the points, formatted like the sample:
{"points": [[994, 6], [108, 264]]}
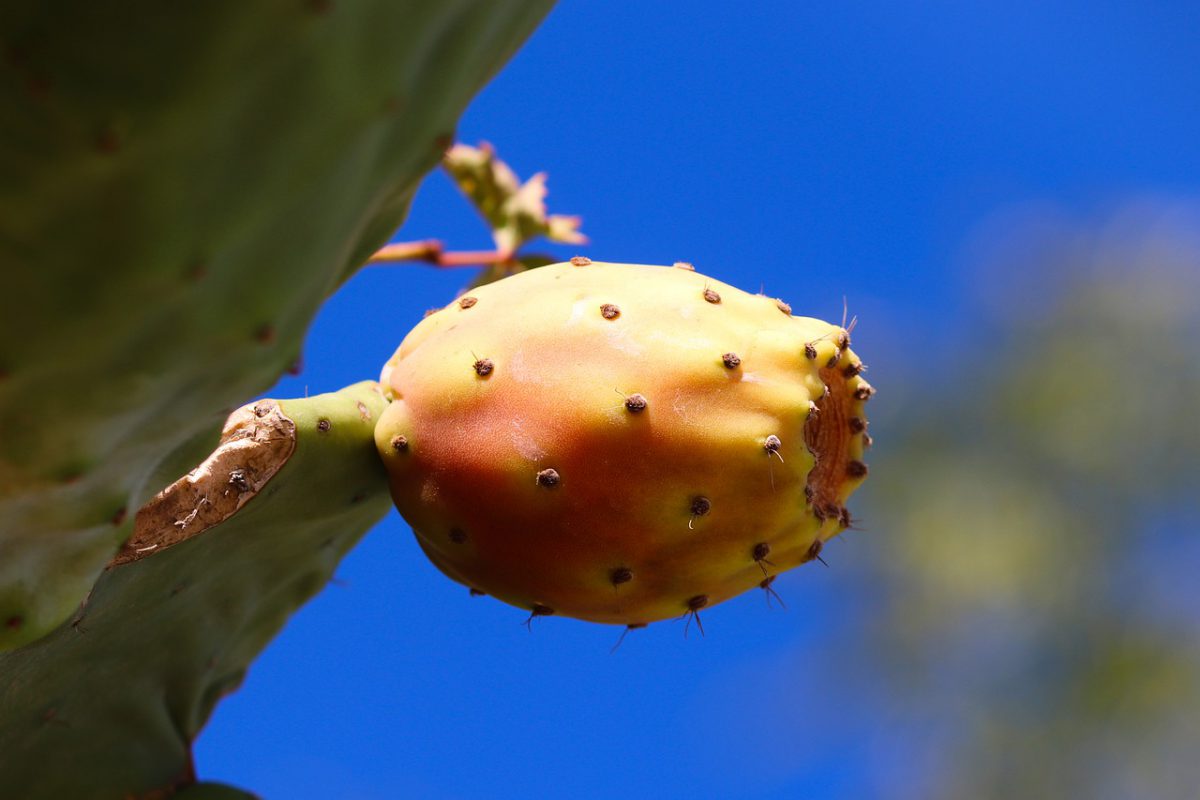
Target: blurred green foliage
{"points": [[1033, 628]]}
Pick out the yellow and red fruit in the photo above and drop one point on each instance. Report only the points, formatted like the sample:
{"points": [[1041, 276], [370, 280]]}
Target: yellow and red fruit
{"points": [[622, 443]]}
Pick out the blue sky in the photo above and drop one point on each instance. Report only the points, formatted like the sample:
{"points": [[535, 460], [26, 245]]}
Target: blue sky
{"points": [[818, 152]]}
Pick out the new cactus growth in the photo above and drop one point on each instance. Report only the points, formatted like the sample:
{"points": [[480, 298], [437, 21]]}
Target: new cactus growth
{"points": [[640, 443]]}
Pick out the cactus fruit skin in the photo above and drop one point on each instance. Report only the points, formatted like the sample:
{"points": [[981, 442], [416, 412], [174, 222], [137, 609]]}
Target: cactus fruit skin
{"points": [[622, 443], [180, 189], [107, 707]]}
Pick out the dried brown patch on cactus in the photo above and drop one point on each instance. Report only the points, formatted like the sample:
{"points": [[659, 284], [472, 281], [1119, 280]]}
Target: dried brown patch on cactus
{"points": [[257, 441]]}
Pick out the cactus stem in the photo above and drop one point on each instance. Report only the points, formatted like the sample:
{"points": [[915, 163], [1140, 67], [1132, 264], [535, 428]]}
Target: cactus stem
{"points": [[432, 251]]}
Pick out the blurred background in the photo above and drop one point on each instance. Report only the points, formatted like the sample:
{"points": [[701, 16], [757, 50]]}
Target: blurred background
{"points": [[1008, 197]]}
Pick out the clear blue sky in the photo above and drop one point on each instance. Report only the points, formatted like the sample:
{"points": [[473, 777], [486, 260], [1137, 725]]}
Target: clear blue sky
{"points": [[816, 150]]}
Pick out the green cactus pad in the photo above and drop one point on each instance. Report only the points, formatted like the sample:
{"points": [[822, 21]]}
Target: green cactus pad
{"points": [[181, 186], [213, 791], [107, 707]]}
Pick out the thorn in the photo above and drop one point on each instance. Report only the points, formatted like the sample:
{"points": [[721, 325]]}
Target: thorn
{"points": [[538, 610], [770, 590], [814, 552], [633, 626], [760, 553], [694, 605]]}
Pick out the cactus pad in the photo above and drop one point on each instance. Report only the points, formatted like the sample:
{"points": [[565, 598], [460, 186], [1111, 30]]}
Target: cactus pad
{"points": [[622, 443], [107, 707], [180, 188]]}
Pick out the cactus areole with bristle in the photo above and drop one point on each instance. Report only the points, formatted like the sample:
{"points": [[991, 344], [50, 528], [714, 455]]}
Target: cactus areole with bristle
{"points": [[644, 442]]}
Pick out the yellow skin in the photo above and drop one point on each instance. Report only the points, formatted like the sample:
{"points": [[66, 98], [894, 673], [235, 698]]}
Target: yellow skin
{"points": [[668, 493]]}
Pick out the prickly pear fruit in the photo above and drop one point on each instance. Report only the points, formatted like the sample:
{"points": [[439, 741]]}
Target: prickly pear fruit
{"points": [[622, 443]]}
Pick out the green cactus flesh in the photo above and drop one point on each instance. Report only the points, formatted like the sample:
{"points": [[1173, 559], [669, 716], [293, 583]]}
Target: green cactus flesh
{"points": [[622, 443], [107, 707], [180, 187]]}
